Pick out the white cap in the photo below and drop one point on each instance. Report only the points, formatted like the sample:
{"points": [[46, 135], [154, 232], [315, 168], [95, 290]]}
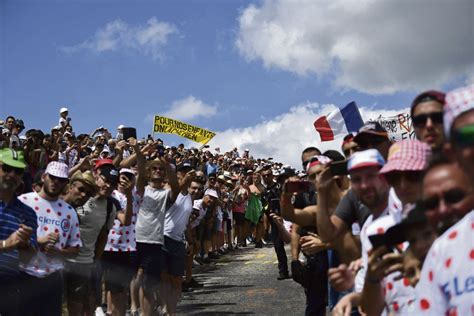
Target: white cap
{"points": [[120, 126], [62, 110], [212, 193], [246, 149]]}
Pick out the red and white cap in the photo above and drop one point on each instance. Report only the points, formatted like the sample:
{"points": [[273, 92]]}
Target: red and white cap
{"points": [[457, 102], [365, 158], [58, 169], [407, 155], [317, 160]]}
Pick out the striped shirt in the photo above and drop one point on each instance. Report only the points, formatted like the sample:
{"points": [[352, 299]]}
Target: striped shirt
{"points": [[11, 216]]}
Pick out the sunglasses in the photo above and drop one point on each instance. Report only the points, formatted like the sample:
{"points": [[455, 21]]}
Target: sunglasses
{"points": [[450, 197], [84, 190], [394, 178], [464, 136], [370, 142], [8, 169], [421, 119]]}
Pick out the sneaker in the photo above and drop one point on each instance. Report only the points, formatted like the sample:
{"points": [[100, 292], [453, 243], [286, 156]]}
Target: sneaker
{"points": [[214, 255], [258, 244], [205, 259], [186, 287], [283, 276], [221, 251], [199, 260], [99, 311]]}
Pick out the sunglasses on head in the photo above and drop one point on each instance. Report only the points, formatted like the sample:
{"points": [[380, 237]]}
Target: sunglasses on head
{"points": [[394, 178], [449, 197], [421, 119], [8, 169], [464, 136]]}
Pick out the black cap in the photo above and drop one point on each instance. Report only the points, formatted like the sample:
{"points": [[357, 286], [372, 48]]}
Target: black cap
{"points": [[184, 166]]}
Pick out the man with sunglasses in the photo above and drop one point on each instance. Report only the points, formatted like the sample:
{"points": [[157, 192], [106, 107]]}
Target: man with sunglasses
{"points": [[427, 117], [447, 277], [58, 239], [373, 135], [17, 231]]}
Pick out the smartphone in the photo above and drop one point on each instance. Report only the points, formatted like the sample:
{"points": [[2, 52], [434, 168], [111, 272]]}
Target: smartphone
{"points": [[274, 206], [298, 186], [128, 132], [161, 150], [338, 168], [377, 240]]}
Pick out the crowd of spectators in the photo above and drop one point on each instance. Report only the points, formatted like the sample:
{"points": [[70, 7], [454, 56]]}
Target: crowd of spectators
{"points": [[93, 223]]}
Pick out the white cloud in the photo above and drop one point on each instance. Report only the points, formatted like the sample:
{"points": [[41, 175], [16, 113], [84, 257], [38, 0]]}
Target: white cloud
{"points": [[190, 108], [376, 47], [285, 136], [148, 39]]}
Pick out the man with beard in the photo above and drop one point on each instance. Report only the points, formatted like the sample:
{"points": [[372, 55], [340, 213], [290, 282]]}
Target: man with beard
{"points": [[17, 230], [447, 278], [157, 199], [58, 239], [96, 217]]}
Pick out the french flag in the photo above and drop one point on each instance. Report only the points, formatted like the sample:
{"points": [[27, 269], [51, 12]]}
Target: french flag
{"points": [[339, 123]]}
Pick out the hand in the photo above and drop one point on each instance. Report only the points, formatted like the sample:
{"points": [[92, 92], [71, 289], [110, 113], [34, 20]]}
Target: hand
{"points": [[51, 238], [344, 306], [189, 249], [312, 244], [277, 219], [325, 180], [341, 278], [19, 238], [381, 263], [126, 185], [120, 145]]}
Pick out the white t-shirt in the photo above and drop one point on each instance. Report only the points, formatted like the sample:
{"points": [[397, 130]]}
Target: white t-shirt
{"points": [[177, 217], [53, 216], [446, 285], [151, 217], [394, 208], [122, 238]]}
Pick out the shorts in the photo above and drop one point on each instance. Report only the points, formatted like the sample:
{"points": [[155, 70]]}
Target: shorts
{"points": [[119, 269], [174, 254], [228, 225], [239, 218], [150, 260], [204, 231], [77, 281]]}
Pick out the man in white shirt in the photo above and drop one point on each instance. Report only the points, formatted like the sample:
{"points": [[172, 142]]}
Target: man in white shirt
{"points": [[157, 199], [174, 252], [58, 238], [446, 285]]}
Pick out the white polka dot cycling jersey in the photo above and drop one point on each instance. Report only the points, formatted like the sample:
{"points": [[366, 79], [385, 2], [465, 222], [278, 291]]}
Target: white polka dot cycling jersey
{"points": [[53, 217], [446, 285], [122, 238]]}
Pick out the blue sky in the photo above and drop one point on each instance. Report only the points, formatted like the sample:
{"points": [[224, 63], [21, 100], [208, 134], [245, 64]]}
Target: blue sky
{"points": [[244, 63]]}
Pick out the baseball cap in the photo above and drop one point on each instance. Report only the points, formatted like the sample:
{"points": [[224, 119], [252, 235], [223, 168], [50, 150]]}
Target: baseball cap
{"points": [[126, 170], [109, 172], [102, 162], [366, 158], [12, 158], [186, 165], [317, 160], [458, 101], [19, 123], [57, 169], [62, 110], [120, 126], [85, 177], [212, 193], [407, 155], [430, 95], [369, 129], [56, 128]]}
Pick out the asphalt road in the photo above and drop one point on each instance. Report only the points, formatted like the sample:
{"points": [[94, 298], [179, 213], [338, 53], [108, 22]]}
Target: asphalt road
{"points": [[243, 283]]}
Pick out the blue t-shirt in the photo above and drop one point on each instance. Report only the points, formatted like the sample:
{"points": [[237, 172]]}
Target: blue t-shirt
{"points": [[11, 216]]}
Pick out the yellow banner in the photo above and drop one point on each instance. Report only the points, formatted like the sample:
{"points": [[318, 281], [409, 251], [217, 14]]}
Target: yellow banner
{"points": [[170, 126]]}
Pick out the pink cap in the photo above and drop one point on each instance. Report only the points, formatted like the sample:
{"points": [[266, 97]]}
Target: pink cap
{"points": [[407, 155], [57, 169]]}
